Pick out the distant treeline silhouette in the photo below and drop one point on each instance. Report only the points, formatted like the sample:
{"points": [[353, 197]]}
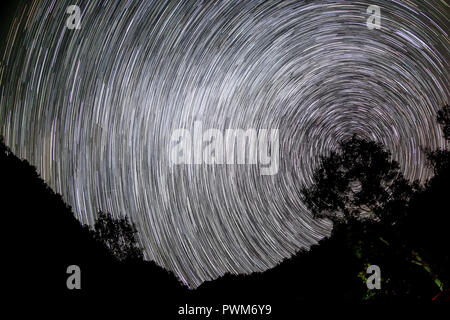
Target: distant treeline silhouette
{"points": [[379, 218]]}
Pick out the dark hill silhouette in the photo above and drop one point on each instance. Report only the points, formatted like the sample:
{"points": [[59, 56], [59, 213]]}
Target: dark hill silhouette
{"points": [[42, 238], [48, 238]]}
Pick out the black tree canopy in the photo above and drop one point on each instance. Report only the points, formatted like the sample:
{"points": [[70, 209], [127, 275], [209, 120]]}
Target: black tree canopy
{"points": [[360, 181]]}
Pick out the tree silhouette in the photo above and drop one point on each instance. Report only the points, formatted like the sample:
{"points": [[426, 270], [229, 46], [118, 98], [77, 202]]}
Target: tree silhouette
{"points": [[427, 225], [358, 183], [119, 236], [443, 119], [384, 218]]}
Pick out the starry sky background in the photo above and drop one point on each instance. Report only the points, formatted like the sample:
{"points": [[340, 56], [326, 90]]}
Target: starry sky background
{"points": [[94, 109]]}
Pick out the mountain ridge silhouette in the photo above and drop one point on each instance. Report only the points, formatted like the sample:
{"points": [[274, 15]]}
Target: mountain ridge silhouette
{"points": [[53, 238], [45, 238]]}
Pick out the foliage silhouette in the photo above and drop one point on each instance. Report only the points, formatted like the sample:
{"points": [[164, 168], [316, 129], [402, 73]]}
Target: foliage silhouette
{"points": [[428, 221], [382, 215], [118, 235], [443, 119], [359, 182]]}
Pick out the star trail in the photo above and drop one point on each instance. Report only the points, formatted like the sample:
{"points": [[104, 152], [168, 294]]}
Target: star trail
{"points": [[94, 109]]}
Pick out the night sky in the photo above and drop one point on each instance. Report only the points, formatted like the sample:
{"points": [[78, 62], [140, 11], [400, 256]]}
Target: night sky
{"points": [[94, 109]]}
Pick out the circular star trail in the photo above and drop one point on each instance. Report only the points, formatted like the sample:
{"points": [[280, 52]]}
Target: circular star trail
{"points": [[94, 109]]}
